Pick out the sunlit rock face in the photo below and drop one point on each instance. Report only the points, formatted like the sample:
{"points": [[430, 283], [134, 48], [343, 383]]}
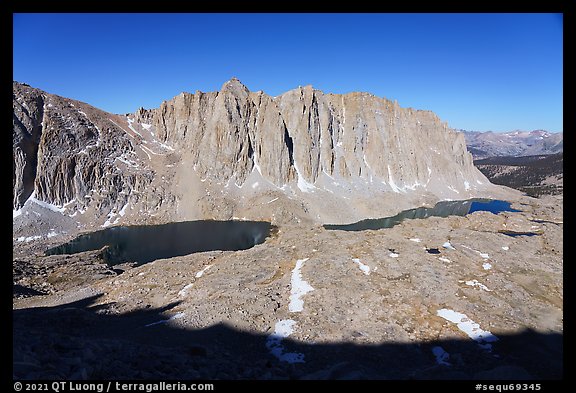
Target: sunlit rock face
{"points": [[323, 157]]}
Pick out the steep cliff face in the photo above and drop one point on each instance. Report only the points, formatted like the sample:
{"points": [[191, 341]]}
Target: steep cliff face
{"points": [[325, 157], [360, 136], [67, 153], [27, 117], [305, 134], [228, 133]]}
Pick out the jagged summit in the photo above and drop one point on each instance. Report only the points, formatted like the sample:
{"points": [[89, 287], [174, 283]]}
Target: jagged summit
{"points": [[235, 87], [325, 157]]}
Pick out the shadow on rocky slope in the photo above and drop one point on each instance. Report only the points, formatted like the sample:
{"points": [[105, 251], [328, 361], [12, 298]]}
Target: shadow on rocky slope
{"points": [[81, 340]]}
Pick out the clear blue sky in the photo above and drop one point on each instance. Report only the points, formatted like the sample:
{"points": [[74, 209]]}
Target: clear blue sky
{"points": [[482, 72]]}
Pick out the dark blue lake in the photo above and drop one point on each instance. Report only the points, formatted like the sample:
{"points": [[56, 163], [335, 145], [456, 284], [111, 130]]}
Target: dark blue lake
{"points": [[490, 205], [441, 209], [146, 243]]}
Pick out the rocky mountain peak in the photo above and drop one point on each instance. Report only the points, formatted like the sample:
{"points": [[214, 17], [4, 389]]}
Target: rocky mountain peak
{"points": [[331, 158], [235, 87]]}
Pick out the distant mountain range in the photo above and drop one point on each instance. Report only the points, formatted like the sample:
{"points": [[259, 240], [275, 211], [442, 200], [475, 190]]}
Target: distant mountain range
{"points": [[514, 143]]}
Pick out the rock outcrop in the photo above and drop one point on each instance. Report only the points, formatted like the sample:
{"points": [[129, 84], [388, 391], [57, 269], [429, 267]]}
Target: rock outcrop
{"points": [[67, 153], [28, 114], [327, 157]]}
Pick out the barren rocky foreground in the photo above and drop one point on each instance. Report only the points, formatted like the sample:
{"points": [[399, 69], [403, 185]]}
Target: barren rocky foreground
{"points": [[436, 298]]}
